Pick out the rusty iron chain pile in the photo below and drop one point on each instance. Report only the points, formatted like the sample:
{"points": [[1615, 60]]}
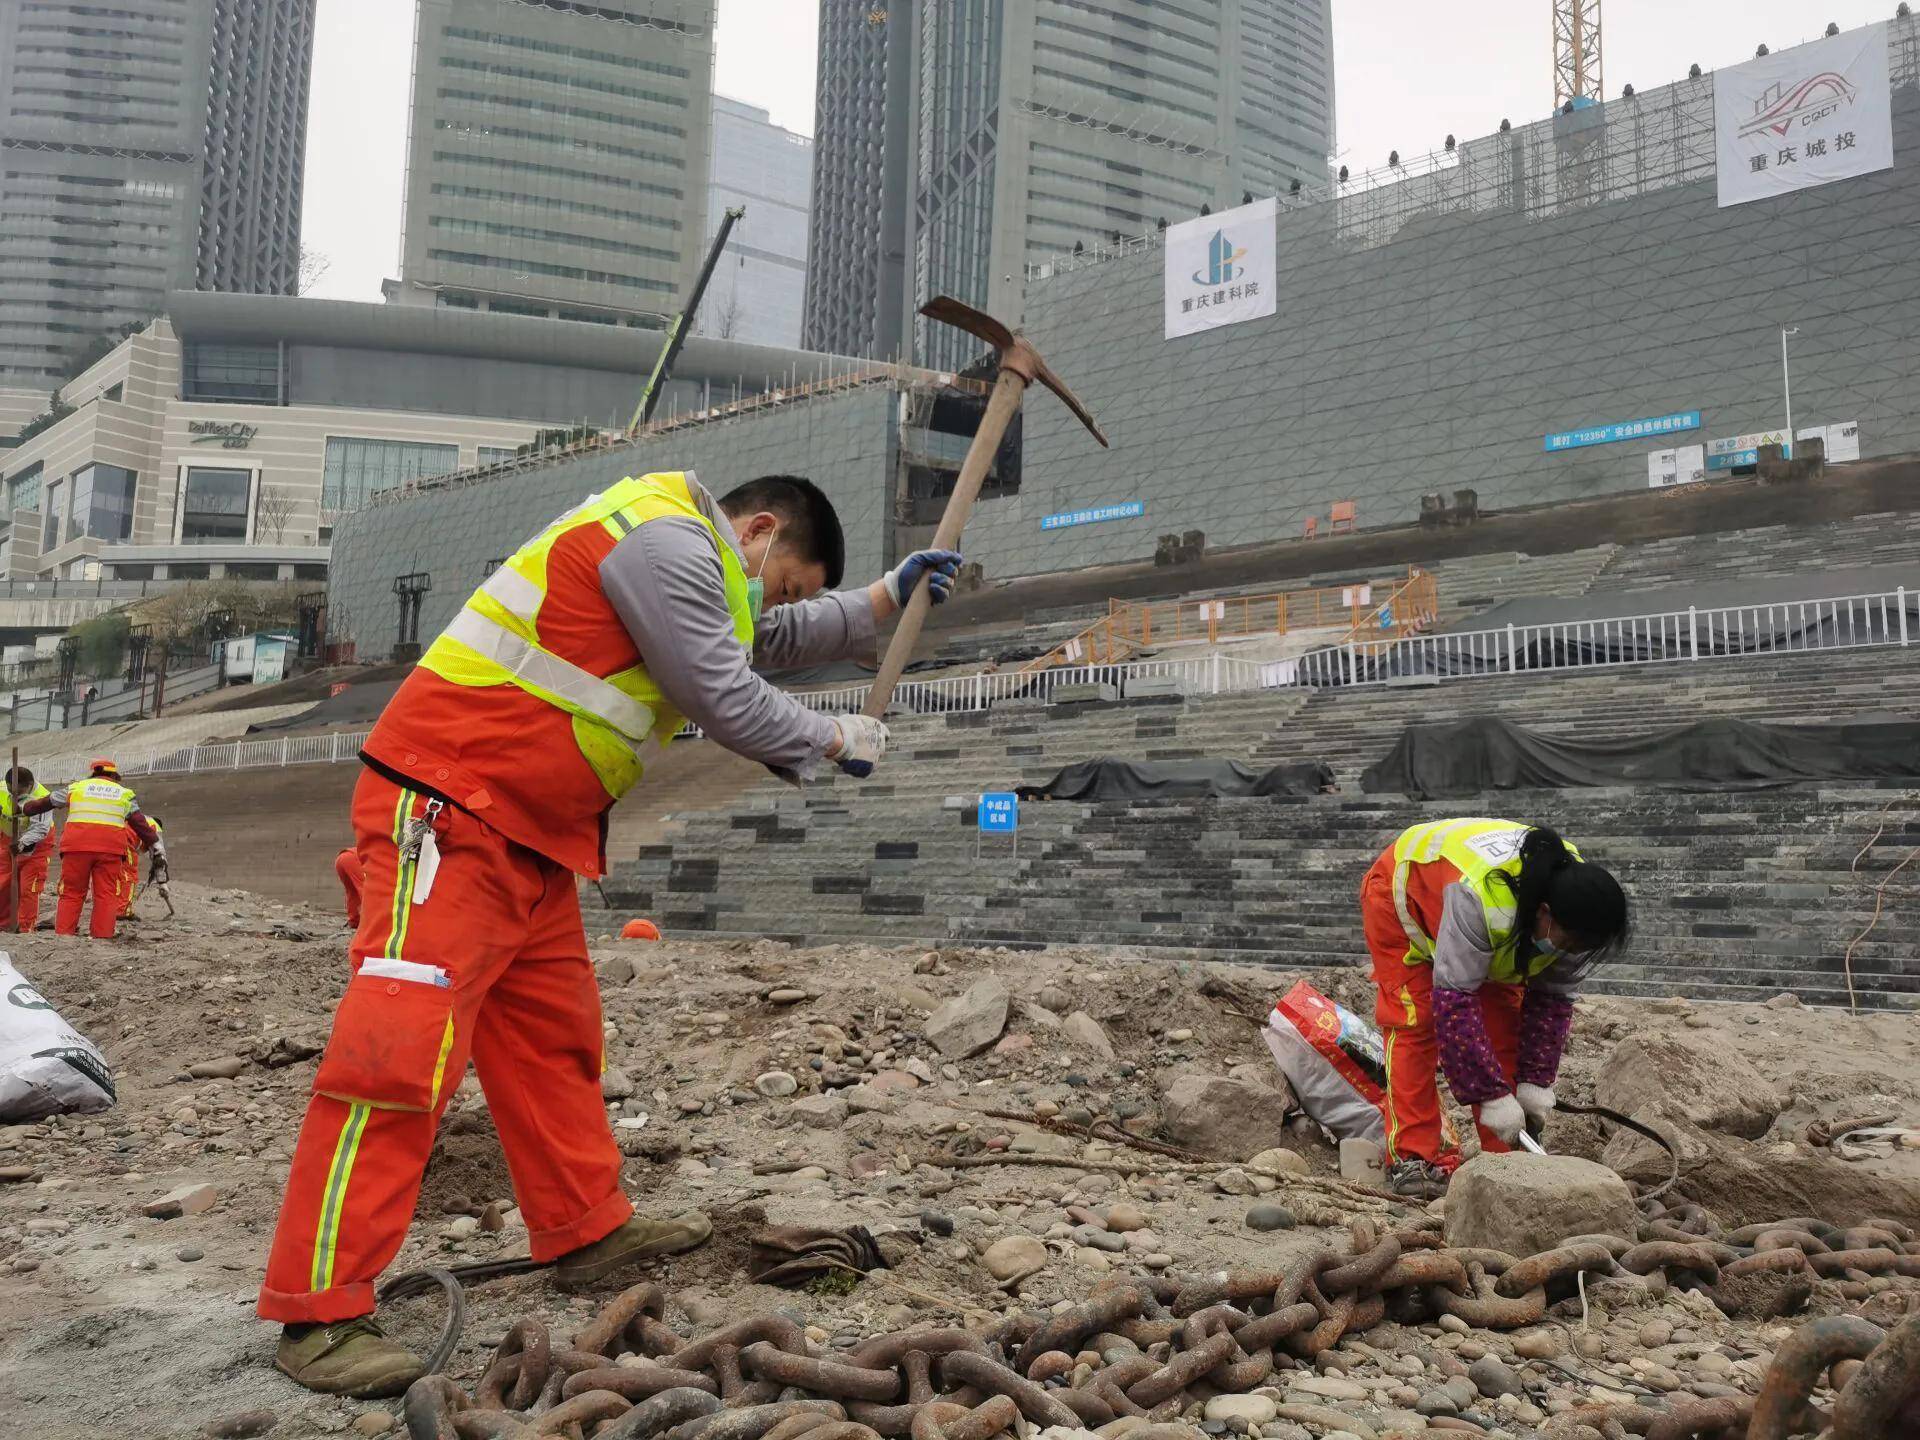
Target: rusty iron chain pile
{"points": [[1150, 1348]]}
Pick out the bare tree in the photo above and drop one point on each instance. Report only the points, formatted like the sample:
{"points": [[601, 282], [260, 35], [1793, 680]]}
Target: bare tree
{"points": [[272, 513], [313, 269], [727, 314]]}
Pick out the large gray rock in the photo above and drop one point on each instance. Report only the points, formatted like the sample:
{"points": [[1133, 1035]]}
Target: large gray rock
{"points": [[1222, 1118], [969, 1023], [1088, 1033], [1524, 1204], [1697, 1075]]}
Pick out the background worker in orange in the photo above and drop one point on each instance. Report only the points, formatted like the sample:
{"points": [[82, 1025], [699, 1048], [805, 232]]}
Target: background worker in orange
{"points": [[33, 849], [488, 782], [130, 867], [346, 868], [99, 811], [1480, 932]]}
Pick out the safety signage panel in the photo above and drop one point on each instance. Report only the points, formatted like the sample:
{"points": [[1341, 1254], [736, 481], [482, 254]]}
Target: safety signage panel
{"points": [[1843, 440], [999, 812], [1676, 467], [1221, 269], [1675, 424], [1127, 510], [1734, 452], [1804, 117]]}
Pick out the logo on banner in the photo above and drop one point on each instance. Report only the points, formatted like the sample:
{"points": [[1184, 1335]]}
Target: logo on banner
{"points": [[1803, 117], [1220, 261], [1221, 269], [1808, 102]]}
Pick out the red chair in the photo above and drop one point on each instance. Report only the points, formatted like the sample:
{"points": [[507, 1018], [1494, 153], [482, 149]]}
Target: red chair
{"points": [[1341, 518], [1313, 526]]}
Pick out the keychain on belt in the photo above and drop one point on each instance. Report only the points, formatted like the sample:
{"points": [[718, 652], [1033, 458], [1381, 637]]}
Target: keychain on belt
{"points": [[420, 846]]}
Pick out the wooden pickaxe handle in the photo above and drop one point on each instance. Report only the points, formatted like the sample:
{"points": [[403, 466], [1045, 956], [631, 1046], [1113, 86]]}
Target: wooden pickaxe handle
{"points": [[1020, 366], [1001, 407]]}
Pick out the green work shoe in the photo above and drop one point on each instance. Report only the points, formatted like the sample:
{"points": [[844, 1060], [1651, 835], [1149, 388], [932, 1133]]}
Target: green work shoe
{"points": [[348, 1357], [641, 1238]]}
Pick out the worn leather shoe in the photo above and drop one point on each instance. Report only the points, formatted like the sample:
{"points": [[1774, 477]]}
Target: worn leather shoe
{"points": [[641, 1238], [1415, 1179], [348, 1357]]}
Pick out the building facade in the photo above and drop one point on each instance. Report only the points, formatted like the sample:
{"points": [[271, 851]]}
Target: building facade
{"points": [[1042, 125], [559, 158], [1434, 334], [758, 290], [962, 140], [240, 430], [857, 225], [145, 146]]}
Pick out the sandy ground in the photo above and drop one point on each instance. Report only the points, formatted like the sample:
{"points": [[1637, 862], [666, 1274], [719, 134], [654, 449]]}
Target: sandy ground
{"points": [[114, 1323]]}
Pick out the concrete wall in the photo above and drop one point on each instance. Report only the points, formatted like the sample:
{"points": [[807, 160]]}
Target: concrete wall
{"points": [[17, 407], [842, 442], [1434, 348]]}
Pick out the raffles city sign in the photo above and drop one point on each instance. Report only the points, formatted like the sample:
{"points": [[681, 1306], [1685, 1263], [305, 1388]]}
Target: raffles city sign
{"points": [[227, 434]]}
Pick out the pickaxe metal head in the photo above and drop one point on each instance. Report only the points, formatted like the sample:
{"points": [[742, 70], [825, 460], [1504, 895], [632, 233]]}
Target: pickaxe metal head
{"points": [[1015, 353]]}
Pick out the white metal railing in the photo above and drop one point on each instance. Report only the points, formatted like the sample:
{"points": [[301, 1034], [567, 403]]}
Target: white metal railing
{"points": [[1844, 622], [1698, 633], [248, 754]]}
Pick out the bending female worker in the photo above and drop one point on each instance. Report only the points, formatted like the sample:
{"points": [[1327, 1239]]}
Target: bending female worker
{"points": [[1480, 932]]}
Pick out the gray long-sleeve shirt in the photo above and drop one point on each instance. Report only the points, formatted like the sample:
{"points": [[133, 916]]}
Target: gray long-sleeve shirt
{"points": [[1463, 950], [666, 584]]}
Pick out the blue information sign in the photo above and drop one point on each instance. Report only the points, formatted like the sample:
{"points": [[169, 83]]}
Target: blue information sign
{"points": [[1652, 428], [1126, 510], [1000, 812]]}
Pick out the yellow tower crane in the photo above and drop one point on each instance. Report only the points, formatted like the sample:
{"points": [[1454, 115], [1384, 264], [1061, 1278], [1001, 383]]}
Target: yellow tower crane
{"points": [[1576, 52]]}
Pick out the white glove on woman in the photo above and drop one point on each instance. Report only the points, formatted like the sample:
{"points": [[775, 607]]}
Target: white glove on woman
{"points": [[1503, 1117], [863, 741], [1536, 1100]]}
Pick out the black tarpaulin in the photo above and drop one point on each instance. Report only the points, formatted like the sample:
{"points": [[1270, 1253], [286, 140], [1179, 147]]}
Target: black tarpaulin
{"points": [[1110, 779], [1466, 757]]}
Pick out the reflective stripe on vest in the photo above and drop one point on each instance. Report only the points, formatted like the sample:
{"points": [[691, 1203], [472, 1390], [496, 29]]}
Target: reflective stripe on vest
{"points": [[545, 674], [1479, 849], [620, 721], [99, 802]]}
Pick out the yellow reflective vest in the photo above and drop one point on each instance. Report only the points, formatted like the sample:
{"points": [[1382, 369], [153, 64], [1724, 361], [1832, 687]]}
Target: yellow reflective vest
{"points": [[1479, 850], [619, 721]]}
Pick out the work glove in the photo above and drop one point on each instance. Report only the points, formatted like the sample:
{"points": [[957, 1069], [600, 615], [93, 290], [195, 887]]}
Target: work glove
{"points": [[938, 566], [1537, 1101], [863, 741], [1503, 1117]]}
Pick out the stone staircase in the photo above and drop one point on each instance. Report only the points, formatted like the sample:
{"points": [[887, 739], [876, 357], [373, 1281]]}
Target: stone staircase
{"points": [[1740, 555], [1738, 895]]}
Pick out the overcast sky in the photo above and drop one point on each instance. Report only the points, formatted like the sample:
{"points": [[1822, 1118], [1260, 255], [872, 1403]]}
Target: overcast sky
{"points": [[1408, 73]]}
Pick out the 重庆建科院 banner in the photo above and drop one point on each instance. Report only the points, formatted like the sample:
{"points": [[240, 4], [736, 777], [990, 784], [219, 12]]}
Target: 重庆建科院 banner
{"points": [[1221, 269]]}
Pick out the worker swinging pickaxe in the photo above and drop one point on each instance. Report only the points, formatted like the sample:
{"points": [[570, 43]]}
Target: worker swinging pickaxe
{"points": [[1020, 366]]}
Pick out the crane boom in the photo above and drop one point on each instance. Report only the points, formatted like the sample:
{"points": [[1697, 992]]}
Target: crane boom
{"points": [[677, 332], [1576, 52]]}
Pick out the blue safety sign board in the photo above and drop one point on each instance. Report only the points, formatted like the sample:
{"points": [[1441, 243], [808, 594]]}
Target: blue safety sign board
{"points": [[1000, 812]]}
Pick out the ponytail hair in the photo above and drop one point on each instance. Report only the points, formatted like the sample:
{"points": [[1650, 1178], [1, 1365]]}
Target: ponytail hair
{"points": [[1584, 898]]}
